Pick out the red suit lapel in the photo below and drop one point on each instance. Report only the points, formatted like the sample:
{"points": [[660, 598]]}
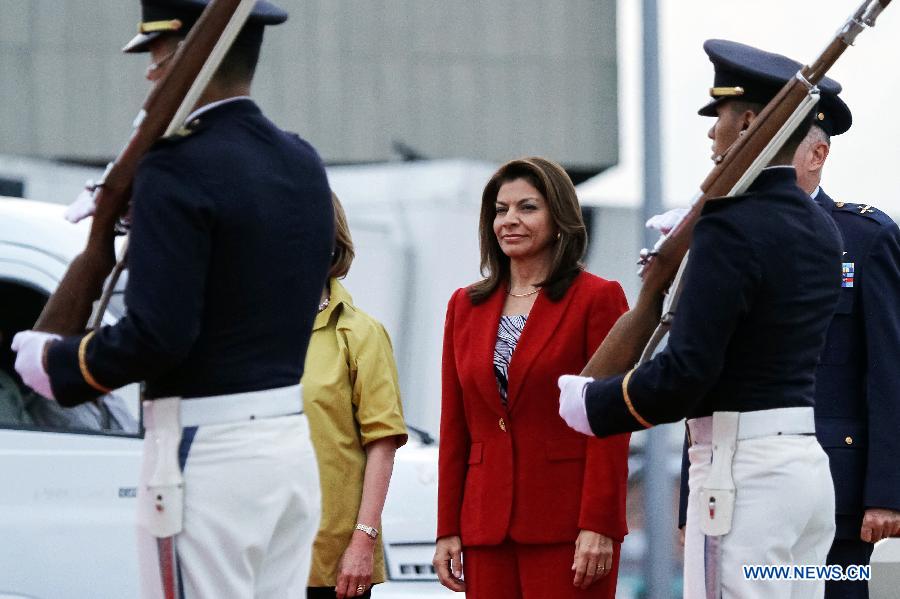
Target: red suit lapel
{"points": [[543, 321], [485, 319]]}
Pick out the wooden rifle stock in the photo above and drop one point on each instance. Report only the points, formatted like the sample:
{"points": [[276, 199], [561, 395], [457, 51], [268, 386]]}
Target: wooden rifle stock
{"points": [[628, 338], [69, 307]]}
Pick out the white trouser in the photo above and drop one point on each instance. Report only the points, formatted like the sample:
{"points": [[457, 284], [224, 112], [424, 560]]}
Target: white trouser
{"points": [[783, 514], [251, 511]]}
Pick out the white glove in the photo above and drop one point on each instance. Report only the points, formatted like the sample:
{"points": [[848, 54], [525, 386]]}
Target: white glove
{"points": [[84, 205], [30, 360], [667, 221], [571, 402]]}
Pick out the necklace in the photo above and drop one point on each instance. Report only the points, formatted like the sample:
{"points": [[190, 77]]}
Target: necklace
{"points": [[324, 304], [511, 294]]}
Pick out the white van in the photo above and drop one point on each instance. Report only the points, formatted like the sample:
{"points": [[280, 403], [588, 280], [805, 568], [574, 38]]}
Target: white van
{"points": [[69, 477]]}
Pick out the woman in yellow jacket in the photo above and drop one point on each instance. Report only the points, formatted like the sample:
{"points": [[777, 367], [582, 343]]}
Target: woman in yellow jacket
{"points": [[352, 399]]}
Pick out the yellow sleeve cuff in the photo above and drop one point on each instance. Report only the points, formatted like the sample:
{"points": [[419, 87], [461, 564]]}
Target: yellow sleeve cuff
{"points": [[82, 364], [643, 422]]}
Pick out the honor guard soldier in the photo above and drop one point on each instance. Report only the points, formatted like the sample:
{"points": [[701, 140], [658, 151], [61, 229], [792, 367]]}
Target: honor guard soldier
{"points": [[231, 237], [758, 292], [857, 388]]}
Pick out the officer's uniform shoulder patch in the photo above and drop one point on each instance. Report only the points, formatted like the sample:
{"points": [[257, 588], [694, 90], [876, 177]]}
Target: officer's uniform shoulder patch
{"points": [[864, 210]]}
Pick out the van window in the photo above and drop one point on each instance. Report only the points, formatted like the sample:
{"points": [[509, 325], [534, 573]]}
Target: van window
{"points": [[22, 408]]}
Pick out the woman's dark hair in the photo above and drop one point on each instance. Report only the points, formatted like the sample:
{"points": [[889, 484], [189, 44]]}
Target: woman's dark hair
{"points": [[554, 183]]}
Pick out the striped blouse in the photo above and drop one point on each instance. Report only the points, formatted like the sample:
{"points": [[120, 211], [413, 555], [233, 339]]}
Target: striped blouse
{"points": [[508, 334]]}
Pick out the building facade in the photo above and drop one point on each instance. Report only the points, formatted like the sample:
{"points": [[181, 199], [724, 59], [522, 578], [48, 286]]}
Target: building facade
{"points": [[363, 81]]}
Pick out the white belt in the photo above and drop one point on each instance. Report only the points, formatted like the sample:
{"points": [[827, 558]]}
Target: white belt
{"points": [[761, 423], [237, 407]]}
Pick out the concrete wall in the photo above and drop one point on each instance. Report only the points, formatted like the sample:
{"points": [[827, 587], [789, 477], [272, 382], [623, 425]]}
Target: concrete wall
{"points": [[484, 79]]}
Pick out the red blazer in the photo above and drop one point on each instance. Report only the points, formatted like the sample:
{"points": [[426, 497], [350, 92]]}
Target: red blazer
{"points": [[521, 472]]}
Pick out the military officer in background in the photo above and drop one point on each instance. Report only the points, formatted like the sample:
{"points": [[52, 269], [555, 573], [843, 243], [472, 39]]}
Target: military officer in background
{"points": [[231, 237], [761, 284], [857, 380]]}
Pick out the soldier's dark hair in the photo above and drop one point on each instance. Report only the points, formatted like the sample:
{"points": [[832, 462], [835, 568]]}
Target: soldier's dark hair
{"points": [[239, 64], [554, 183], [786, 154]]}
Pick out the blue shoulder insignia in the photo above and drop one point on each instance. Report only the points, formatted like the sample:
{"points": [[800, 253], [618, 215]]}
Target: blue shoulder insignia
{"points": [[866, 210]]}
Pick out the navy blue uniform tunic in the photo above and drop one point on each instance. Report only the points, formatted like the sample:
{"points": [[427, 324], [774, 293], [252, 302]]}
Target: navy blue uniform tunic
{"points": [[231, 237], [858, 378], [761, 284]]}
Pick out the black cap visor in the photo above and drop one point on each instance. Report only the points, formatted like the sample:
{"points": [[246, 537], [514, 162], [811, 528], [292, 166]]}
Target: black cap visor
{"points": [[141, 42]]}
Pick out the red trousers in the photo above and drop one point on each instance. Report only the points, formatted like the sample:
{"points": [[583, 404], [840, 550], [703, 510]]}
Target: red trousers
{"points": [[518, 571]]}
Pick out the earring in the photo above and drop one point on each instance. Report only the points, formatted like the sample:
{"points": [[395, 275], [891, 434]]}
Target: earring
{"points": [[558, 235]]}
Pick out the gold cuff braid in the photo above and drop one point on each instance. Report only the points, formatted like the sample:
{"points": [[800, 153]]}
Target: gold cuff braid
{"points": [[82, 364], [628, 403]]}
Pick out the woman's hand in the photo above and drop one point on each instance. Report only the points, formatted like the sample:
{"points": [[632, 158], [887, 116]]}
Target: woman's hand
{"points": [[593, 558], [355, 566], [447, 563]]}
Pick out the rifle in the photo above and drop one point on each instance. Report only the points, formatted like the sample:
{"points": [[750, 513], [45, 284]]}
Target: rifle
{"points": [[167, 105], [636, 334]]}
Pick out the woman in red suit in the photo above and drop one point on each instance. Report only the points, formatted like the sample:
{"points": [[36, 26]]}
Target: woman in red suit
{"points": [[536, 509]]}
